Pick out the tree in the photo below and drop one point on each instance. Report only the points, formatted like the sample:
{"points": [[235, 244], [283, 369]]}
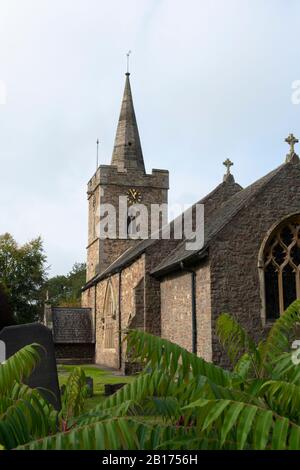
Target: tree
{"points": [[65, 291], [22, 275], [179, 401], [6, 311]]}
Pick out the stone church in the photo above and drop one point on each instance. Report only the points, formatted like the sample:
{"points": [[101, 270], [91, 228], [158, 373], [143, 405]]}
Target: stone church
{"points": [[249, 264]]}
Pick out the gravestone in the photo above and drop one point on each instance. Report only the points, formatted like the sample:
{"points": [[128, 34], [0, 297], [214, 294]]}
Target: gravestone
{"points": [[110, 389], [2, 351], [90, 386], [44, 375]]}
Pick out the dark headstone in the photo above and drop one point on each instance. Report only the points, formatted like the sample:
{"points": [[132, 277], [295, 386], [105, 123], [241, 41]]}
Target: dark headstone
{"points": [[90, 386], [45, 374], [110, 389]]}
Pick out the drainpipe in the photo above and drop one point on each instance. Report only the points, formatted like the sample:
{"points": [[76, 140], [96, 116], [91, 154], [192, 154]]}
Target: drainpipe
{"points": [[120, 321], [94, 323], [95, 313], [194, 312]]}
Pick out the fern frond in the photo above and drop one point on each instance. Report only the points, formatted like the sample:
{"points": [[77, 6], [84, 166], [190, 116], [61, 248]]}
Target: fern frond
{"points": [[283, 398], [159, 353], [236, 341], [111, 434], [281, 333], [250, 426], [74, 395], [18, 367], [23, 421]]}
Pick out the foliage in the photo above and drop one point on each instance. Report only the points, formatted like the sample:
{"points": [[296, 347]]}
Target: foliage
{"points": [[180, 401], [65, 291], [6, 311], [99, 376], [74, 395], [24, 414], [22, 275]]}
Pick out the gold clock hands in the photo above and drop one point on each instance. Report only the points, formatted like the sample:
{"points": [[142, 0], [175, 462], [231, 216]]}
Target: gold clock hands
{"points": [[134, 195]]}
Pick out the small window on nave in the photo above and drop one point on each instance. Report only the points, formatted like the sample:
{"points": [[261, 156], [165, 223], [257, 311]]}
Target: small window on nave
{"points": [[281, 263], [109, 319]]}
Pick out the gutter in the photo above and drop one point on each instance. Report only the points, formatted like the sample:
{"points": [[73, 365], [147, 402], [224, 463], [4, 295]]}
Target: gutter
{"points": [[176, 266]]}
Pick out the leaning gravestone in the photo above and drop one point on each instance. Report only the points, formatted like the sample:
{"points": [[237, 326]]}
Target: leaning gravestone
{"points": [[44, 375]]}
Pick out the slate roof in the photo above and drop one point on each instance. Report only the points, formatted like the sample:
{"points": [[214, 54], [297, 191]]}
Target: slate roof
{"points": [[219, 219], [136, 251], [72, 325]]}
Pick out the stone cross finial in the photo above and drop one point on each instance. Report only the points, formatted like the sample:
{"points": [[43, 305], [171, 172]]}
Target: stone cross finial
{"points": [[228, 177], [228, 163], [292, 156], [292, 140]]}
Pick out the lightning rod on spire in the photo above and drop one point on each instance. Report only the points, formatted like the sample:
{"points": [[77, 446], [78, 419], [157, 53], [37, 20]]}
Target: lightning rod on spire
{"points": [[127, 55], [97, 157]]}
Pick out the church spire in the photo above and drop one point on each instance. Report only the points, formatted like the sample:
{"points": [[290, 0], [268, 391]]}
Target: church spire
{"points": [[127, 152]]}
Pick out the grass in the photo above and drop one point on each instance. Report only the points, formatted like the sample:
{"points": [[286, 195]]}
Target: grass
{"points": [[100, 378]]}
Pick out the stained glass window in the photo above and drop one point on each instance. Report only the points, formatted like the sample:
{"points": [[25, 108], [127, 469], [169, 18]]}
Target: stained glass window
{"points": [[282, 267]]}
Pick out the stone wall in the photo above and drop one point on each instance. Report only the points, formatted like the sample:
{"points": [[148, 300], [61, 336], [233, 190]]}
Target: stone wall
{"points": [[88, 301], [92, 266], [131, 292], [131, 278], [235, 286], [88, 298], [93, 247], [154, 254], [203, 309], [176, 309], [109, 357]]}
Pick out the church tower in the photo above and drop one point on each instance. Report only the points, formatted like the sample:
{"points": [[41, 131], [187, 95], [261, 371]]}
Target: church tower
{"points": [[125, 176]]}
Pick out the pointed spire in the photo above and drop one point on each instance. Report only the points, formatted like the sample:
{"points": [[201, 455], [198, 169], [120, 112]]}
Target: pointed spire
{"points": [[127, 152]]}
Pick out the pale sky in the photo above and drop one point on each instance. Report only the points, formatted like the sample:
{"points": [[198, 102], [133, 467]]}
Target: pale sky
{"points": [[211, 79]]}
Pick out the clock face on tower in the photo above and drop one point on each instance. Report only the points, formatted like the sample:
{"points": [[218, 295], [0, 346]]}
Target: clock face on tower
{"points": [[134, 196]]}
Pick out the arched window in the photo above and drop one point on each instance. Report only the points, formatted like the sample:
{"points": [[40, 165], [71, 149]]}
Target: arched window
{"points": [[109, 318], [281, 267]]}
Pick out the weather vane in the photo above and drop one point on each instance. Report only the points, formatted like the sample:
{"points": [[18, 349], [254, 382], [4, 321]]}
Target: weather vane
{"points": [[127, 55]]}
